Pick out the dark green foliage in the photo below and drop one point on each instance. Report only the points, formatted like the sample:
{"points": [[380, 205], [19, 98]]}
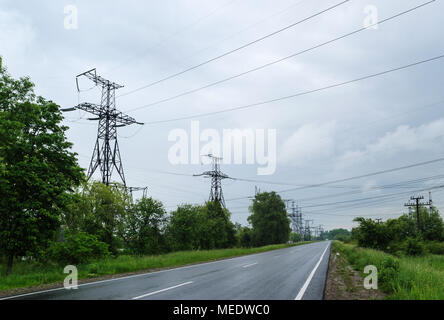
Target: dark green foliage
{"points": [[99, 210], [336, 234], [144, 226], [295, 237], [201, 227], [269, 219], [434, 247], [402, 236], [77, 248], [371, 234], [246, 237], [433, 226], [387, 272], [218, 231], [413, 247], [37, 169], [185, 227]]}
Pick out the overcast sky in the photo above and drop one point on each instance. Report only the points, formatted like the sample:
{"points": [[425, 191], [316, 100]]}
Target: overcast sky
{"points": [[381, 123]]}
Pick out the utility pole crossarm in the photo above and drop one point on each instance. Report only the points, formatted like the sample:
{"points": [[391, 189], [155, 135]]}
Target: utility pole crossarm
{"points": [[97, 110], [98, 80]]}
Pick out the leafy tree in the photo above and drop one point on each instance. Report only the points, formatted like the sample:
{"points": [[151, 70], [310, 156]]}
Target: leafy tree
{"points": [[185, 228], [99, 210], [144, 227], [269, 219], [433, 226], [371, 234], [401, 228], [37, 169], [246, 237], [218, 231], [295, 237], [336, 234]]}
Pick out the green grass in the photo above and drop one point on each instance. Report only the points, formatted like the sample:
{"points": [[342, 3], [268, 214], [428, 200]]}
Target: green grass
{"points": [[415, 278], [28, 274]]}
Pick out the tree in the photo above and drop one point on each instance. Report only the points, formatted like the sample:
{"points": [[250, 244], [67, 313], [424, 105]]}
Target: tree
{"points": [[144, 227], [185, 227], [217, 230], [371, 234], [269, 219], [433, 225], [295, 237], [99, 210], [336, 234], [38, 170]]}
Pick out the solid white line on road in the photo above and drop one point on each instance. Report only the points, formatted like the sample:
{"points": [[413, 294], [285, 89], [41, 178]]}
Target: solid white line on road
{"points": [[249, 265], [159, 291], [307, 282]]}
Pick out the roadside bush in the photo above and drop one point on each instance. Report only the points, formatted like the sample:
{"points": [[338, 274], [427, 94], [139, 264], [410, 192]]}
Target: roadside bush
{"points": [[77, 248], [435, 247], [388, 273], [343, 238], [413, 247]]}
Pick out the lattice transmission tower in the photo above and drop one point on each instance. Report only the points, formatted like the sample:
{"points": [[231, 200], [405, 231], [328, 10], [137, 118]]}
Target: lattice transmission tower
{"points": [[216, 193], [106, 154]]}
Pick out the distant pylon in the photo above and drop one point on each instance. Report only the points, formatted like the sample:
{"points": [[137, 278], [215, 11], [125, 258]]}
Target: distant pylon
{"points": [[216, 176]]}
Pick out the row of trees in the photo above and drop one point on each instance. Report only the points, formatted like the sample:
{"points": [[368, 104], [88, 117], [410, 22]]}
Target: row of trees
{"points": [[144, 227], [404, 235]]}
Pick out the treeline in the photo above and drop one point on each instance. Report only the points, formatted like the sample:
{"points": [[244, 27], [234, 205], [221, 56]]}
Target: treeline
{"points": [[420, 233], [336, 234], [106, 215]]}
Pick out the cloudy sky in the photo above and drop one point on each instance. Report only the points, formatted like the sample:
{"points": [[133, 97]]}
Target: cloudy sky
{"points": [[385, 122]]}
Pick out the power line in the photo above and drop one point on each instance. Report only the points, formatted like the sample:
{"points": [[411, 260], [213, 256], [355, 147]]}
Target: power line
{"points": [[396, 185], [236, 49], [370, 198], [174, 34], [356, 177], [277, 61], [257, 104]]}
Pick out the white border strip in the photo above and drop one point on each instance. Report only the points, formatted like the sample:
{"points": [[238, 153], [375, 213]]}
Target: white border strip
{"points": [[307, 282], [159, 291]]}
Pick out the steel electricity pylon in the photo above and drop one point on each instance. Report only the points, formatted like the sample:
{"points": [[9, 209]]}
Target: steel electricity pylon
{"points": [[106, 154], [216, 176]]}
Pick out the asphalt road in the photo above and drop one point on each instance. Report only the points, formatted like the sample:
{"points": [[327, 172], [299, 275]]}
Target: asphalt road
{"points": [[285, 274]]}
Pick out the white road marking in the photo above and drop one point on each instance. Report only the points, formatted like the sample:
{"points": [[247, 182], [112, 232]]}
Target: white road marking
{"points": [[159, 291], [307, 282], [249, 265]]}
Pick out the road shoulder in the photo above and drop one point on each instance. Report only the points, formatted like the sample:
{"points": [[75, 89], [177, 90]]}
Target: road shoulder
{"points": [[345, 283]]}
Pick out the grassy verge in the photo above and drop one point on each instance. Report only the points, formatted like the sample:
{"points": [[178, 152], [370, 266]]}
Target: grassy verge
{"points": [[28, 274], [405, 278]]}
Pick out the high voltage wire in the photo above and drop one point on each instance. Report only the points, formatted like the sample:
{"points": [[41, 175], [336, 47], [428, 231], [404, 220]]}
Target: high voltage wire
{"points": [[355, 177], [372, 198], [175, 34], [361, 205], [279, 60], [257, 104], [236, 49], [376, 188]]}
